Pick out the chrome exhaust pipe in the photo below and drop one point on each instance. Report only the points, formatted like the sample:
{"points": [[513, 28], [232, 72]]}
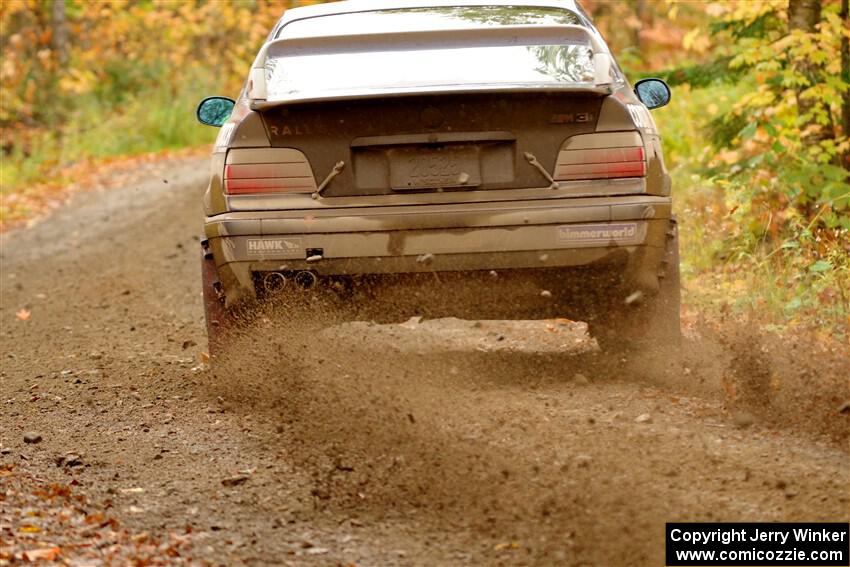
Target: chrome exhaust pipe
{"points": [[273, 282], [306, 279]]}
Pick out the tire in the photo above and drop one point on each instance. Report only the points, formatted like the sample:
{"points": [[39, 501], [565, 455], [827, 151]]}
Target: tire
{"points": [[215, 313], [655, 323]]}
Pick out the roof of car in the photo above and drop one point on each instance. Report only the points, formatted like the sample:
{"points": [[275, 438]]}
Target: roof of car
{"points": [[350, 6]]}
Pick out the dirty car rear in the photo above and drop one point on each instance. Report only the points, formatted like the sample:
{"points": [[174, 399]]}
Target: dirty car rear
{"points": [[376, 142]]}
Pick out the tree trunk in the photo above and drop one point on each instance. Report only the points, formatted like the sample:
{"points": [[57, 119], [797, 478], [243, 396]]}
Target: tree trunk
{"points": [[60, 32], [641, 15], [804, 16], [845, 77]]}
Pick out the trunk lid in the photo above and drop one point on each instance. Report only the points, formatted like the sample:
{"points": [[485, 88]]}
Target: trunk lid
{"points": [[416, 144]]}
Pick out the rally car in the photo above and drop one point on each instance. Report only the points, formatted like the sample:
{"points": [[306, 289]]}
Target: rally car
{"points": [[472, 158]]}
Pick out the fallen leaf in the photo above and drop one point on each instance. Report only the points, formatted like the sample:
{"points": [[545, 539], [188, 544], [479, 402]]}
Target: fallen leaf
{"points": [[47, 553], [506, 545], [234, 480], [23, 314], [96, 518]]}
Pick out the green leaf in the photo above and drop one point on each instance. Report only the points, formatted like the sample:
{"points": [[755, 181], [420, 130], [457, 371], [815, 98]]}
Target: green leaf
{"points": [[770, 128], [748, 132], [820, 266]]}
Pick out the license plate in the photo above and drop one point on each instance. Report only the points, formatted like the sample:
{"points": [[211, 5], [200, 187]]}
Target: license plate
{"points": [[412, 169]]}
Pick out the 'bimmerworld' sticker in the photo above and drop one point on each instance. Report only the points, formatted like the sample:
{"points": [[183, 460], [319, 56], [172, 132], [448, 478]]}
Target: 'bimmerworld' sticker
{"points": [[621, 234]]}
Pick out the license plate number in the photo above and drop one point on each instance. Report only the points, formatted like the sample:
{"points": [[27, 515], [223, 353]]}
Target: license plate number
{"points": [[434, 169]]}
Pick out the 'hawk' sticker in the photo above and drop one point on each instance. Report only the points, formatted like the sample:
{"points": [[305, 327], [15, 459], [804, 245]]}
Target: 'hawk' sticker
{"points": [[273, 246]]}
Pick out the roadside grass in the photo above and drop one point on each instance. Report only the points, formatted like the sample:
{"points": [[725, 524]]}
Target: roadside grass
{"points": [[159, 118], [798, 281]]}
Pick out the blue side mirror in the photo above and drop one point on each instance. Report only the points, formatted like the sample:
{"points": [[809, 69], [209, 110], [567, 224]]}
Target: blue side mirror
{"points": [[653, 93], [215, 110]]}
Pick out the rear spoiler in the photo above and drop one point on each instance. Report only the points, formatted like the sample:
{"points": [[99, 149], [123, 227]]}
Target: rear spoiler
{"points": [[525, 35], [387, 92]]}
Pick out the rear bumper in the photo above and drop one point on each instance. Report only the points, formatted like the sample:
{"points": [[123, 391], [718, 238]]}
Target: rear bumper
{"points": [[627, 232]]}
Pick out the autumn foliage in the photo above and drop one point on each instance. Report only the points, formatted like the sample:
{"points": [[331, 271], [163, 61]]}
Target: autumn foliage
{"points": [[83, 79], [757, 141], [113, 49]]}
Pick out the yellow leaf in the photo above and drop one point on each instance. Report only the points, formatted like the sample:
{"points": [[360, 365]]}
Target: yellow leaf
{"points": [[506, 545], [30, 529]]}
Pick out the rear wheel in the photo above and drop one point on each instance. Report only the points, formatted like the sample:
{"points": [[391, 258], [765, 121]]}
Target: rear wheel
{"points": [[645, 323]]}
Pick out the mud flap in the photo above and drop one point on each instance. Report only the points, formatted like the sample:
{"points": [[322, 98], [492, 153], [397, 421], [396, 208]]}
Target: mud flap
{"points": [[214, 310], [669, 299], [637, 322]]}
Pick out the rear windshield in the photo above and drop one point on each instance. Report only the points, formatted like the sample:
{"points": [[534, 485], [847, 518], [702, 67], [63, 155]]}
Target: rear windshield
{"points": [[347, 67], [417, 19]]}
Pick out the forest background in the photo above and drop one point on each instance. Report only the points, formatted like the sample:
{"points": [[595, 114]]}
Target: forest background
{"points": [[756, 135]]}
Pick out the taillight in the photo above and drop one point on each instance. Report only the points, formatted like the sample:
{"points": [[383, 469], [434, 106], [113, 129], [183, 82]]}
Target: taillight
{"points": [[267, 170], [604, 155]]}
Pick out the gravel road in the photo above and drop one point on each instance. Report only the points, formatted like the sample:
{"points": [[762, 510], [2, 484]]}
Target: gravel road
{"points": [[440, 442]]}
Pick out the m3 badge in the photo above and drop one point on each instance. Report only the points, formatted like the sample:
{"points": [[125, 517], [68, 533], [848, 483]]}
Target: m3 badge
{"points": [[571, 118]]}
